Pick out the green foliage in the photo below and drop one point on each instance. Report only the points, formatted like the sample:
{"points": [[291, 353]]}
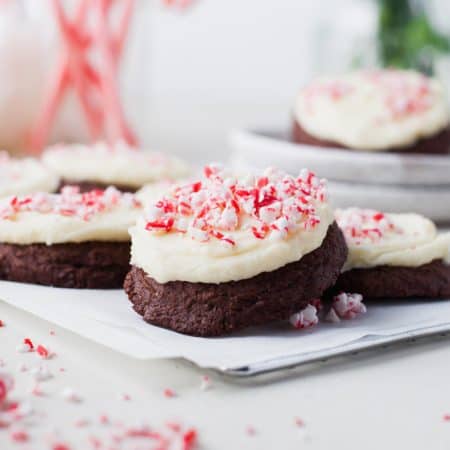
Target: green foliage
{"points": [[406, 37]]}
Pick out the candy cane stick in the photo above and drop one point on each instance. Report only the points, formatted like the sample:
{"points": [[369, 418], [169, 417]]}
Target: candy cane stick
{"points": [[119, 127], [74, 68], [61, 80], [117, 43], [77, 42]]}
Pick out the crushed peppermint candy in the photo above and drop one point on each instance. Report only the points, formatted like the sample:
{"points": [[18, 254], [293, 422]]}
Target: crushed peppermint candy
{"points": [[169, 393], [25, 346], [347, 306], [81, 423], [365, 226], [27, 341], [69, 203], [317, 303], [401, 93], [273, 205], [306, 318], [19, 436], [299, 422], [37, 391], [6, 385], [60, 446], [70, 395], [125, 397], [43, 352], [334, 90], [17, 417], [22, 367], [41, 373], [205, 383]]}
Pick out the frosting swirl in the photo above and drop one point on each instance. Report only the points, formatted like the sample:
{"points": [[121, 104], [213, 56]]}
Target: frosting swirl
{"points": [[378, 239], [71, 216], [118, 164], [23, 176], [220, 228], [373, 110]]}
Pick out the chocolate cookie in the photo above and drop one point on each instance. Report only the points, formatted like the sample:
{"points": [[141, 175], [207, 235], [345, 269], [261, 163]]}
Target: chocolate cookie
{"points": [[437, 144], [431, 280], [92, 265], [206, 309], [87, 186]]}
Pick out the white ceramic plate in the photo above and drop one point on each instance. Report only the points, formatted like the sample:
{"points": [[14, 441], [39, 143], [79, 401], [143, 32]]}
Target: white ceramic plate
{"points": [[264, 148], [432, 202]]}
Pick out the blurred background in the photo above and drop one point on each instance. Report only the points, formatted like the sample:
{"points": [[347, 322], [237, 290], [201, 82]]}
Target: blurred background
{"points": [[191, 74]]}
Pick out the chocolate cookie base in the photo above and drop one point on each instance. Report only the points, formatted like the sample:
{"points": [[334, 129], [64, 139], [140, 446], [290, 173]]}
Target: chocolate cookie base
{"points": [[428, 281], [207, 309], [90, 265], [86, 186], [437, 144]]}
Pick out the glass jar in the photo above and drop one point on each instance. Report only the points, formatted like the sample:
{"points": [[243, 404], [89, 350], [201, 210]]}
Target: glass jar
{"points": [[30, 48]]}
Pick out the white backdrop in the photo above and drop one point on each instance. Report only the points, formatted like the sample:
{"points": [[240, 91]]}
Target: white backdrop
{"points": [[231, 63], [192, 76]]}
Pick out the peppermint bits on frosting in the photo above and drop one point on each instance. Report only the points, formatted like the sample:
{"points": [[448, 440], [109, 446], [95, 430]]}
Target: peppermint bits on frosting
{"points": [[272, 205], [70, 202], [365, 226]]}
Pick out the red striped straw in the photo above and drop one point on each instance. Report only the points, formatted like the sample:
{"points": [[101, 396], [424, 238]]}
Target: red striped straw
{"points": [[105, 115]]}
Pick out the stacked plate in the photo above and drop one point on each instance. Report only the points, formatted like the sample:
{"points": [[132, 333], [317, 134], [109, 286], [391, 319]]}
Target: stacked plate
{"points": [[390, 182]]}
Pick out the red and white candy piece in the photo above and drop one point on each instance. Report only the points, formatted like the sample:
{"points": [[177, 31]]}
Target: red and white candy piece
{"points": [[272, 205], [401, 94], [205, 383], [306, 318], [41, 373], [346, 306], [70, 395], [25, 346], [70, 202], [6, 385], [365, 226]]}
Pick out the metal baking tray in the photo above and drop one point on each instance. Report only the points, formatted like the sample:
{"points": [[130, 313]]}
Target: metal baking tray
{"points": [[294, 364]]}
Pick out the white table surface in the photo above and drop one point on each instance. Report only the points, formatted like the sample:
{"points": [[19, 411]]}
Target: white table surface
{"points": [[389, 400], [385, 401]]}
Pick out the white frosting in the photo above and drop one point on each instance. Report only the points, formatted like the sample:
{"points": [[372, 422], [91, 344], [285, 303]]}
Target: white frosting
{"points": [[405, 240], [118, 165], [174, 256], [150, 193], [194, 257], [47, 223], [24, 176], [373, 110]]}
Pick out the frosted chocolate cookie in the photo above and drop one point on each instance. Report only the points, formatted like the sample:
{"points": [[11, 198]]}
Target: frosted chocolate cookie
{"points": [[102, 165], [24, 176], [221, 254], [378, 110], [71, 239], [393, 256]]}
